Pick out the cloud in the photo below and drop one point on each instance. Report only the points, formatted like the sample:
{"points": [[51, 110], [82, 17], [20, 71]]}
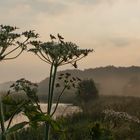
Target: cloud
{"points": [[110, 27], [120, 42], [30, 8], [55, 7], [95, 1]]}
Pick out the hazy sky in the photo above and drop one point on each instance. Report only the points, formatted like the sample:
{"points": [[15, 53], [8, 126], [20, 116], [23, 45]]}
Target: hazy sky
{"points": [[111, 27]]}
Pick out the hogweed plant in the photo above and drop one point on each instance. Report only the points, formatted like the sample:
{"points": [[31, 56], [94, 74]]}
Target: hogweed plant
{"points": [[13, 106], [12, 44], [28, 103], [28, 106], [57, 53]]}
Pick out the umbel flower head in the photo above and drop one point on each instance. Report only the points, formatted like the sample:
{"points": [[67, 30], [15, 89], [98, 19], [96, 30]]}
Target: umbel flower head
{"points": [[11, 42], [24, 86], [58, 51]]}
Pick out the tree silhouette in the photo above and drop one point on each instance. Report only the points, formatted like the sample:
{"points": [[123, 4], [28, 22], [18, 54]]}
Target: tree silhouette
{"points": [[86, 92]]}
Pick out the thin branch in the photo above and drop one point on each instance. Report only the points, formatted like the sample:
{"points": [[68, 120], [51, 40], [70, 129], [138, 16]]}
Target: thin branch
{"points": [[3, 49], [71, 61], [58, 101], [14, 56], [48, 57], [16, 111], [68, 61], [16, 47], [45, 57], [61, 60], [12, 50], [38, 106], [42, 59]]}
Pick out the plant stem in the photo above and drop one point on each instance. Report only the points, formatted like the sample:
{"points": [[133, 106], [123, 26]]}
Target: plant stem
{"points": [[50, 96], [48, 110], [16, 111], [3, 137], [2, 120], [58, 100], [47, 131], [50, 84], [52, 88]]}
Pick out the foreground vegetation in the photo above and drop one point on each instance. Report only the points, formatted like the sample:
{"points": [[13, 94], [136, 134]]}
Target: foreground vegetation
{"points": [[56, 53], [107, 118]]}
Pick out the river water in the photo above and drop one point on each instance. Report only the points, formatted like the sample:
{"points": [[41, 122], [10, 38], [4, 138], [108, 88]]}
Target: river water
{"points": [[62, 110]]}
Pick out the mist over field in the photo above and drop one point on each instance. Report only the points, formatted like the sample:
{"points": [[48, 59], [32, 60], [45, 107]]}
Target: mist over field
{"points": [[110, 80]]}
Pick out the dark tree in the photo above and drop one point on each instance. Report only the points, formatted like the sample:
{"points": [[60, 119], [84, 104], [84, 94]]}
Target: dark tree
{"points": [[86, 92]]}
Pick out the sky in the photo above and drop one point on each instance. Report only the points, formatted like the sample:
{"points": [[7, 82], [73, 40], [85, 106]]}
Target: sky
{"points": [[110, 27]]}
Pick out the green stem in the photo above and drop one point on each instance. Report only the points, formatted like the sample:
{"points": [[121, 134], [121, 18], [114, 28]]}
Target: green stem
{"points": [[50, 84], [2, 120], [52, 88], [16, 111], [50, 97], [58, 100], [47, 131], [47, 127], [3, 137]]}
